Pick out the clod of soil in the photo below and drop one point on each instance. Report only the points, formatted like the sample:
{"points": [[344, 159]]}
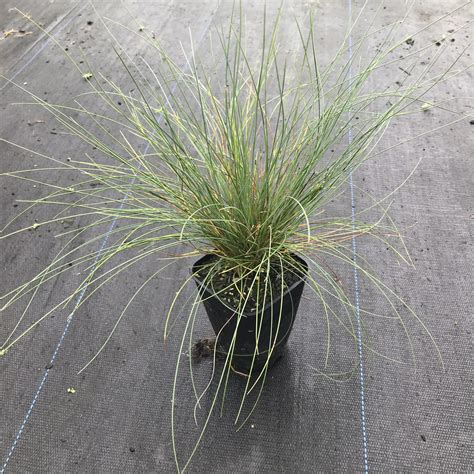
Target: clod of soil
{"points": [[204, 348]]}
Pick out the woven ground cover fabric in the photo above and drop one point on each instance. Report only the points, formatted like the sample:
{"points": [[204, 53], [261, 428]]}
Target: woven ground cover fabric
{"points": [[118, 419]]}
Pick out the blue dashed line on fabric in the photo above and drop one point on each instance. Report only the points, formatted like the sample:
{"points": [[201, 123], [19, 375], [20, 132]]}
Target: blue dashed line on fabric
{"points": [[357, 288]]}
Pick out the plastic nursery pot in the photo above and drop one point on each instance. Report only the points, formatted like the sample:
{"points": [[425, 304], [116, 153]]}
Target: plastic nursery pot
{"points": [[224, 320]]}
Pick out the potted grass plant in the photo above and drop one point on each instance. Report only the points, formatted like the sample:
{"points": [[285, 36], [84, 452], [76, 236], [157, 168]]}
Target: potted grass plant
{"points": [[230, 172]]}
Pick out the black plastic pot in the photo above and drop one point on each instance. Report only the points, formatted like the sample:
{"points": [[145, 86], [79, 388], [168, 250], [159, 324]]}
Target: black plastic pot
{"points": [[224, 320]]}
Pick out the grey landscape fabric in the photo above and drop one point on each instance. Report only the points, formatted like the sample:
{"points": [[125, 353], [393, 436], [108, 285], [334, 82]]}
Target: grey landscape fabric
{"points": [[118, 418]]}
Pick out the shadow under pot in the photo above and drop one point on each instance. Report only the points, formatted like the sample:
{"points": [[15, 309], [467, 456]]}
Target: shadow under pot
{"points": [[272, 323]]}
